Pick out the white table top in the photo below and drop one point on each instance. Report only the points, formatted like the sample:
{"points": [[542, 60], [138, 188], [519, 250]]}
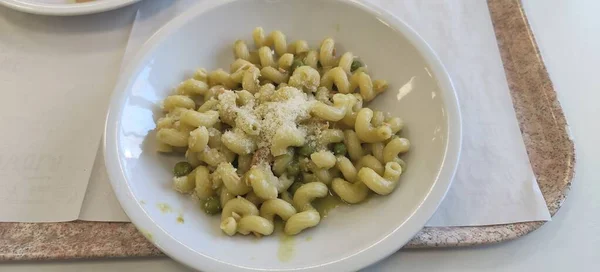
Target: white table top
{"points": [[567, 33]]}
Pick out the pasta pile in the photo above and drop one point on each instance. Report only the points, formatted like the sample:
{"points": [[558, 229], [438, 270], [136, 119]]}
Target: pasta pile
{"points": [[285, 126]]}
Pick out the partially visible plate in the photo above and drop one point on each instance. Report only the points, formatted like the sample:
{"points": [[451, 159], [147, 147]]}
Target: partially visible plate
{"points": [[65, 7]]}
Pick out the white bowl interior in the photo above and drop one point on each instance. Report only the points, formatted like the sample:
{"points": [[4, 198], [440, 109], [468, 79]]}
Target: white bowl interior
{"points": [[206, 41]]}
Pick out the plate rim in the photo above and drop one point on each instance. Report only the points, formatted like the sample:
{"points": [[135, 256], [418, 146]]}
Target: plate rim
{"points": [[66, 9], [380, 249]]}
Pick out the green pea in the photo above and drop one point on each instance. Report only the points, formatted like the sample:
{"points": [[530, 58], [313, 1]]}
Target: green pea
{"points": [[339, 149], [293, 168], [355, 65], [297, 63], [182, 168], [295, 186], [211, 205], [306, 150]]}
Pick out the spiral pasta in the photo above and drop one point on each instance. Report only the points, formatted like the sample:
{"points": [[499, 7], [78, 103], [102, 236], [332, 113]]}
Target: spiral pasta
{"points": [[341, 105], [238, 206], [327, 53], [261, 183], [298, 47], [178, 101], [346, 168], [192, 87], [220, 77], [203, 183], [381, 184], [285, 126], [323, 159], [278, 207], [349, 192], [301, 221], [240, 50], [366, 132], [305, 78], [371, 162], [393, 148], [254, 224], [274, 75], [307, 193]]}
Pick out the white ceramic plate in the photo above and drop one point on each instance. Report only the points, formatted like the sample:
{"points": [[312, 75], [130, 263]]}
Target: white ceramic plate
{"points": [[350, 237], [65, 7]]}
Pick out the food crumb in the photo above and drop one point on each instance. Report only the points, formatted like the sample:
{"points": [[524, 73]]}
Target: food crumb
{"points": [[147, 234], [180, 219], [164, 208]]}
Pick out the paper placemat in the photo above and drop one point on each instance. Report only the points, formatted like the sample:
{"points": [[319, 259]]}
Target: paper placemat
{"points": [[494, 184], [56, 76]]}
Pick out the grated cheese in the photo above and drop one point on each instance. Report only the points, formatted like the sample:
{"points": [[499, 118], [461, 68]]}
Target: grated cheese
{"points": [[288, 106], [284, 109]]}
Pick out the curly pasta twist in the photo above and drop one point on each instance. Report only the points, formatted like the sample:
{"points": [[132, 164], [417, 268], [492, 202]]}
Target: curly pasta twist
{"points": [[327, 53], [341, 105], [350, 192], [305, 78], [261, 183], [238, 206], [227, 174], [203, 183], [381, 184], [307, 193], [394, 147], [254, 224], [240, 50], [366, 132], [278, 207], [346, 62], [282, 127], [301, 221], [274, 75], [298, 47], [220, 77]]}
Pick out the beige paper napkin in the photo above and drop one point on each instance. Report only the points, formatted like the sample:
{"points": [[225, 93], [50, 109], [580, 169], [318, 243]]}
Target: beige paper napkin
{"points": [[56, 76]]}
